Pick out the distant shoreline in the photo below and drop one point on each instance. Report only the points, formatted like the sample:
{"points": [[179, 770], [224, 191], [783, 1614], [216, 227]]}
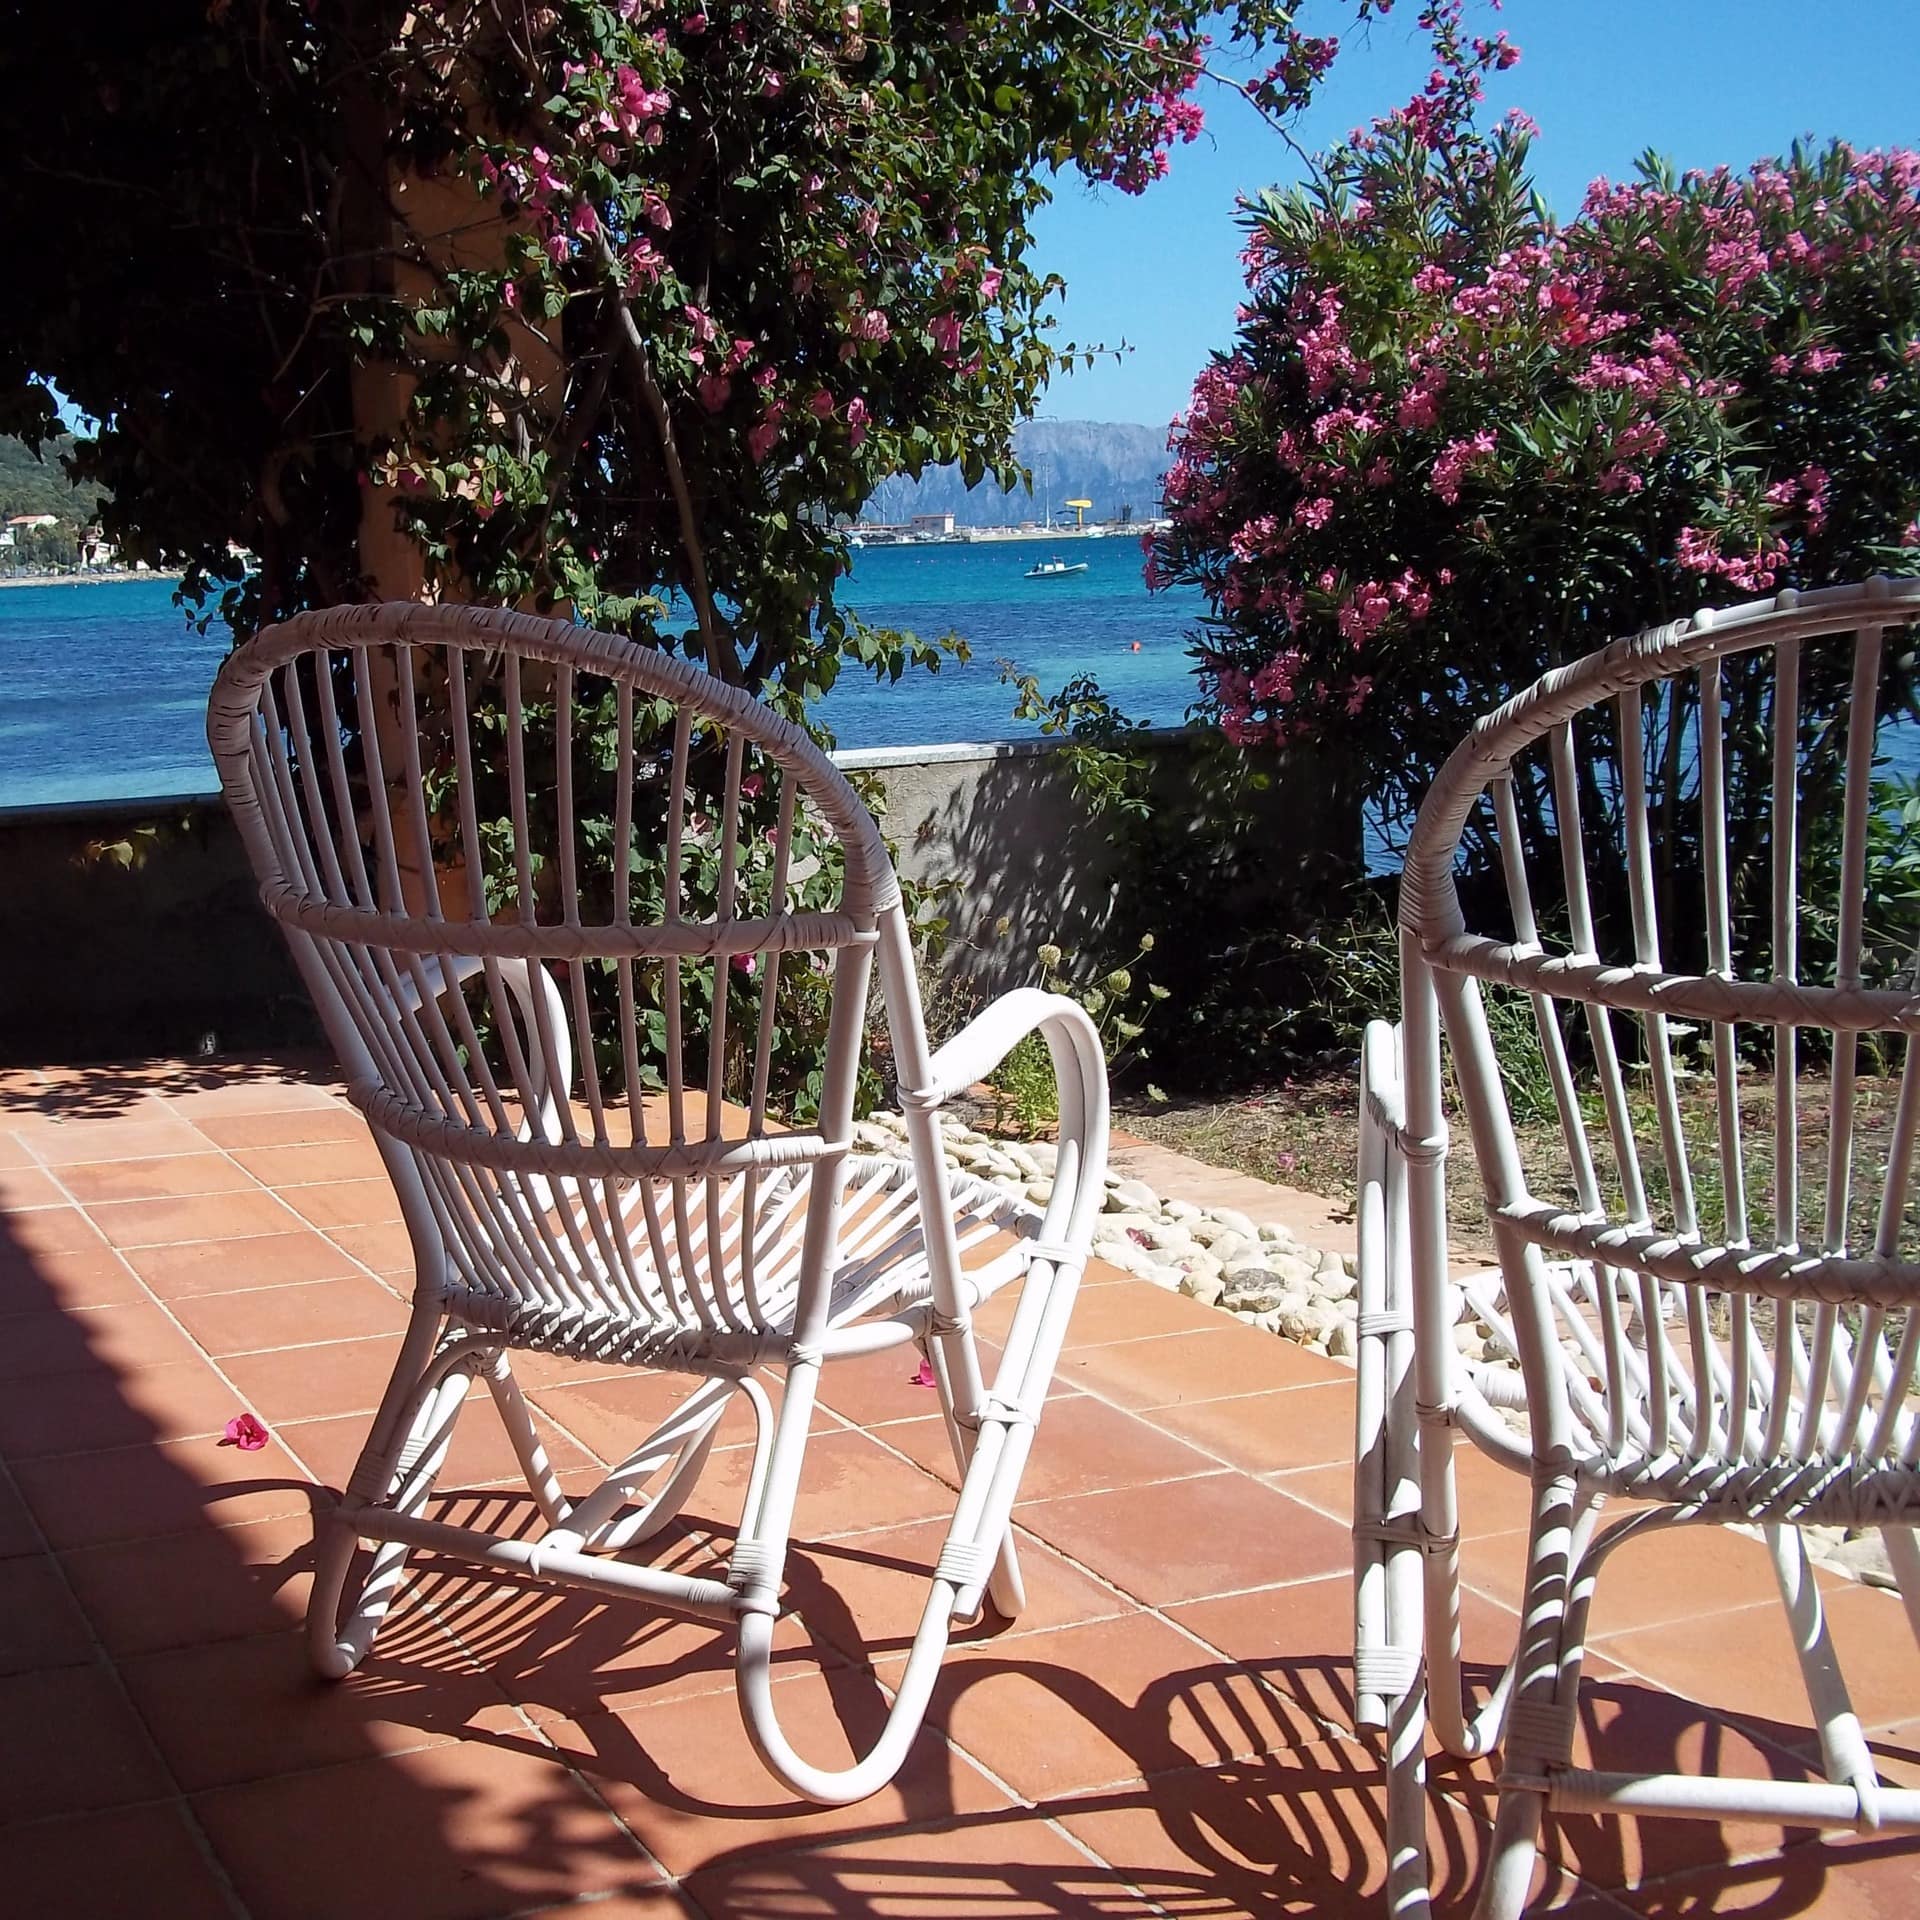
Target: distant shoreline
{"points": [[92, 578], [999, 536]]}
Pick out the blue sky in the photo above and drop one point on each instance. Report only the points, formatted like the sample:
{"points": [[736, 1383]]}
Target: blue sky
{"points": [[1704, 81]]}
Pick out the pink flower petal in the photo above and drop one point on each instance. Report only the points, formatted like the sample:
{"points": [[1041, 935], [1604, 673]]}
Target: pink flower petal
{"points": [[924, 1377], [246, 1433]]}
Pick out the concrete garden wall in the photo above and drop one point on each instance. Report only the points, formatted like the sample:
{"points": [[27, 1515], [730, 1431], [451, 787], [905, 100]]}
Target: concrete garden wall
{"points": [[172, 954]]}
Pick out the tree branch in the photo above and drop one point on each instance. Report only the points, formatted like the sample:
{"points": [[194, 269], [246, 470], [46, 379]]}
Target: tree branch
{"points": [[722, 656], [1200, 68]]}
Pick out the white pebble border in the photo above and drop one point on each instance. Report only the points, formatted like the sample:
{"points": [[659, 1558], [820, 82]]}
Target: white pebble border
{"points": [[1261, 1274]]}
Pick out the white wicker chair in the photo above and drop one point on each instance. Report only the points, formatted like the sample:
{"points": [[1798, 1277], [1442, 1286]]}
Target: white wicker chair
{"points": [[1724, 1357], [454, 965]]}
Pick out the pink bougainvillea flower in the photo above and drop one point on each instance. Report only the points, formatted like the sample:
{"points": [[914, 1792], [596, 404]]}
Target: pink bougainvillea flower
{"points": [[645, 261], [747, 964], [924, 1376], [245, 1432]]}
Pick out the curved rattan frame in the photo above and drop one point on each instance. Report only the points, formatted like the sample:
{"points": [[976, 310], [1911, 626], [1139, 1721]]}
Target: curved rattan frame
{"points": [[1653, 1406], [715, 1254]]}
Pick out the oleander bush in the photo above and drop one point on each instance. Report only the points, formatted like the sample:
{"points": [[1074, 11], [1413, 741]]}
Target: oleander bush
{"points": [[1455, 443]]}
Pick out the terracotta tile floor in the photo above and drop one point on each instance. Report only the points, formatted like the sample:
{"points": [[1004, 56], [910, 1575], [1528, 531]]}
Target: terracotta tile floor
{"points": [[1164, 1731]]}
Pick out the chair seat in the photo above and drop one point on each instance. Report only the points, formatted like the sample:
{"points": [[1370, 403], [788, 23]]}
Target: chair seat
{"points": [[883, 1273], [1827, 1488]]}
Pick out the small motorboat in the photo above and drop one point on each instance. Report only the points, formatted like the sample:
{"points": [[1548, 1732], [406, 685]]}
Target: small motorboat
{"points": [[1055, 569]]}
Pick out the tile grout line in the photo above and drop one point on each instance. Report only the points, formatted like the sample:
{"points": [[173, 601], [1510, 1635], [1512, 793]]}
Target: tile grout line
{"points": [[1155, 1611], [326, 1234], [863, 1660], [380, 1279], [426, 1603], [249, 1179], [225, 1378]]}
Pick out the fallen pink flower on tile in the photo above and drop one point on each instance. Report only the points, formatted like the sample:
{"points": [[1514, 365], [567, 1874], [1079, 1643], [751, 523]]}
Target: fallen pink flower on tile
{"points": [[924, 1377], [246, 1433]]}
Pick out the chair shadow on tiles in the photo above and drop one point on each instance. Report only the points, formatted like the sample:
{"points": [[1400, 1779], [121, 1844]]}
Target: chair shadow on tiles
{"points": [[1245, 1793], [1297, 1831]]}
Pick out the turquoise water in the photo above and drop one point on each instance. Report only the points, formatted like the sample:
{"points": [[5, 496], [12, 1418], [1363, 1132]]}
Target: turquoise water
{"points": [[103, 687]]}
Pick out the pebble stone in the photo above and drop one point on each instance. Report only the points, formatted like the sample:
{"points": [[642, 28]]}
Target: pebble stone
{"points": [[1258, 1271]]}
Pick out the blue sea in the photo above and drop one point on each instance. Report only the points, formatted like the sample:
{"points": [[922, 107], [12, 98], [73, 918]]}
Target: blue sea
{"points": [[103, 687]]}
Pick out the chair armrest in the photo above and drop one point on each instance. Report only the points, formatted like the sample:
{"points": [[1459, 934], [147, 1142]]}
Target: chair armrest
{"points": [[552, 1081], [451, 968], [992, 1034], [1080, 1072]]}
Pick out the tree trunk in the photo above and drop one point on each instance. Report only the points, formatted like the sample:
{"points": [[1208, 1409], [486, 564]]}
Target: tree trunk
{"points": [[401, 232]]}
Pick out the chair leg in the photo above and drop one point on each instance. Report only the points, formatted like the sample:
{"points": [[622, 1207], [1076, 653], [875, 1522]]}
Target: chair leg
{"points": [[1903, 1554], [952, 1367], [974, 1547], [1511, 1856], [1537, 1735], [397, 1467], [1408, 1873], [1847, 1759]]}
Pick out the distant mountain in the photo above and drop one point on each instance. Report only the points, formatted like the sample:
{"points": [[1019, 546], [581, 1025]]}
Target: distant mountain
{"points": [[1114, 464]]}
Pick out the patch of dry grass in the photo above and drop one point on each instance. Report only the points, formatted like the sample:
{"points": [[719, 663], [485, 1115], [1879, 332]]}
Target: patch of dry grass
{"points": [[1303, 1132]]}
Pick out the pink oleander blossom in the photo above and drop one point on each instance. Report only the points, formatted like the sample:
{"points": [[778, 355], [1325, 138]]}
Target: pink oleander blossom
{"points": [[1455, 460], [1420, 406]]}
